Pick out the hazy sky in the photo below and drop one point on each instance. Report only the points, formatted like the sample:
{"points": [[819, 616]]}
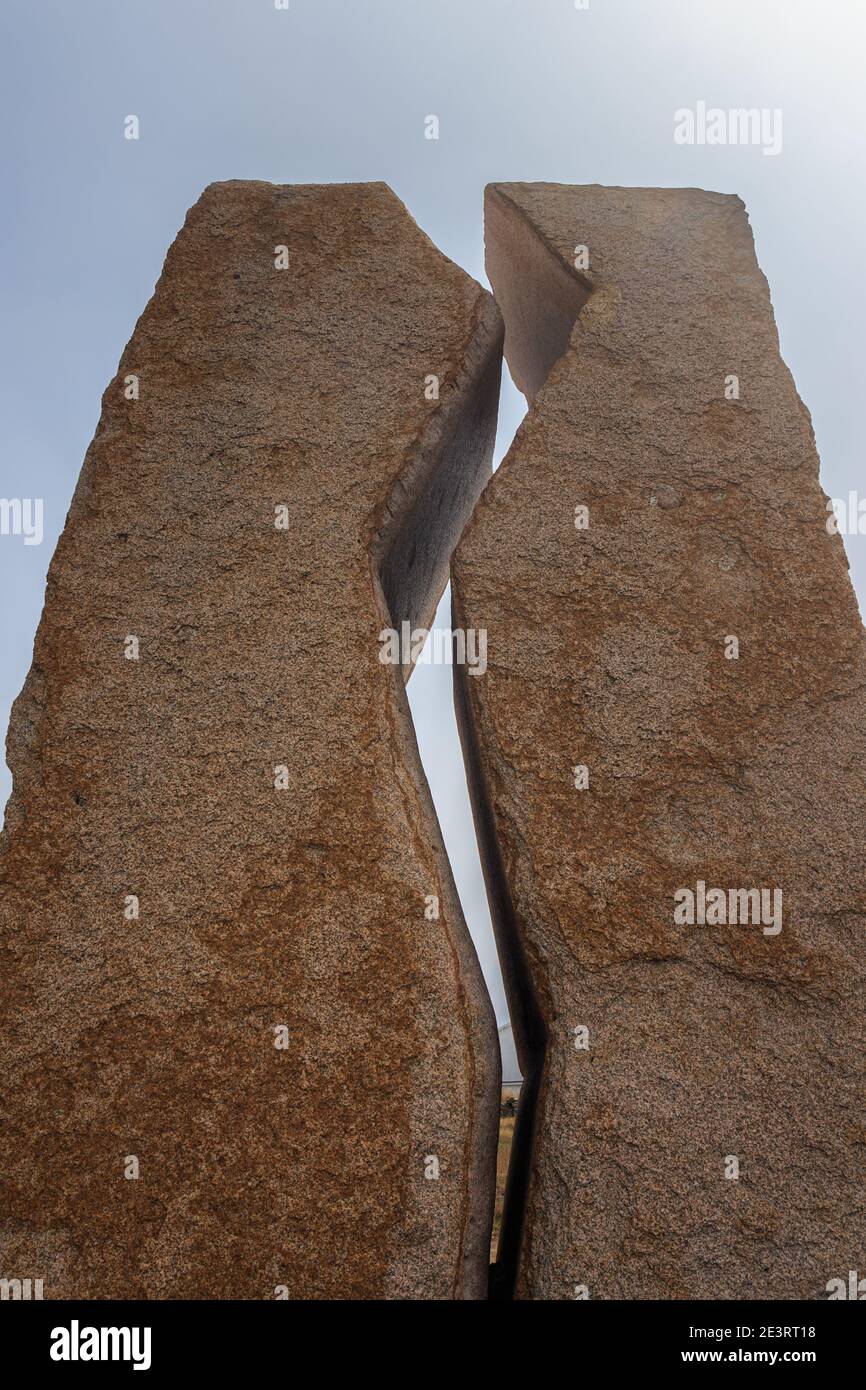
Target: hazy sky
{"points": [[338, 90]]}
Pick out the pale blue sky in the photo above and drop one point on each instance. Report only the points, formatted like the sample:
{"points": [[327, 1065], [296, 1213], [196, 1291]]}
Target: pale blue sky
{"points": [[337, 90]]}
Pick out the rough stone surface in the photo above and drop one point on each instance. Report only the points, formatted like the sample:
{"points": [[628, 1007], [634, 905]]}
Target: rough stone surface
{"points": [[260, 1167], [607, 649]]}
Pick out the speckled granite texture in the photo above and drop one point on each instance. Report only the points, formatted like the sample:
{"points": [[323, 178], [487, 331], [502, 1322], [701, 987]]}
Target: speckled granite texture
{"points": [[281, 1040], [609, 651]]}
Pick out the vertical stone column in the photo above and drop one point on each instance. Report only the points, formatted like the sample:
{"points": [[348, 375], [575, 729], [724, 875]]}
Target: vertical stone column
{"points": [[247, 1050], [668, 758]]}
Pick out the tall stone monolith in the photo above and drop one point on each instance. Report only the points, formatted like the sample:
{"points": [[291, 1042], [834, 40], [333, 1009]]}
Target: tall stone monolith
{"points": [[668, 759], [247, 1051]]}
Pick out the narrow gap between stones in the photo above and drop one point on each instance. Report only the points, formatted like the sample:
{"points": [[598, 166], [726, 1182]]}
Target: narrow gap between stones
{"points": [[431, 700], [541, 298]]}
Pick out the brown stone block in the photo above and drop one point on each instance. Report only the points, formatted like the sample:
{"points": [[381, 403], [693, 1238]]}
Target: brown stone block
{"points": [[664, 1056], [280, 1039]]}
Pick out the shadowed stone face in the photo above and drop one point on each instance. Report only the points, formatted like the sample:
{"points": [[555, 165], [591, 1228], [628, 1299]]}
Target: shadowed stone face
{"points": [[674, 713], [233, 1042]]}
